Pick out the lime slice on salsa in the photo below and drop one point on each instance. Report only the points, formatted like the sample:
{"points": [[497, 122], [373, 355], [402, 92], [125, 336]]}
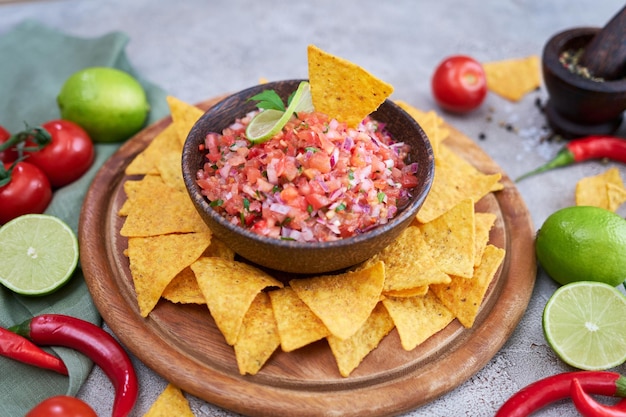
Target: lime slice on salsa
{"points": [[39, 254], [269, 122]]}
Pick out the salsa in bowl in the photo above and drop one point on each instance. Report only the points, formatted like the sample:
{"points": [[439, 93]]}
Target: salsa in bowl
{"points": [[316, 197]]}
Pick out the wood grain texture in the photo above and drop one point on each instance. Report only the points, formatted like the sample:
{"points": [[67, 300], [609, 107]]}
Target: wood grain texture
{"points": [[182, 343]]}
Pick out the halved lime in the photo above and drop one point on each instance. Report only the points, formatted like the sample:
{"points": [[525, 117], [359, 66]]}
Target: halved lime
{"points": [[39, 254], [584, 323], [269, 122]]}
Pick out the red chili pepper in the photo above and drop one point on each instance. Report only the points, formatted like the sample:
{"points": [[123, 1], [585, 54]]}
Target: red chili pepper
{"points": [[23, 350], [588, 407], [584, 149], [557, 387], [95, 343]]}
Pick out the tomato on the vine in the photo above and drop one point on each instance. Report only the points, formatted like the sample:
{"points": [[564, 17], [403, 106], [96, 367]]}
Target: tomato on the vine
{"points": [[66, 157], [10, 154], [459, 84], [24, 189], [62, 406]]}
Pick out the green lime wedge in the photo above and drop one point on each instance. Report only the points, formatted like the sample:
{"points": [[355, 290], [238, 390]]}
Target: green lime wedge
{"points": [[269, 122], [583, 322], [39, 254]]}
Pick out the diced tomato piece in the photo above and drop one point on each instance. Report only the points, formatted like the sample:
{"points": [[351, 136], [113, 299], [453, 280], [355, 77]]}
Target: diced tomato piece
{"points": [[317, 201], [319, 161], [409, 181]]}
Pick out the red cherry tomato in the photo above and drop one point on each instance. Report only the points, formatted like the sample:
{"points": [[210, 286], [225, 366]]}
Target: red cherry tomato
{"points": [[7, 155], [62, 406], [459, 84], [28, 191], [67, 157]]}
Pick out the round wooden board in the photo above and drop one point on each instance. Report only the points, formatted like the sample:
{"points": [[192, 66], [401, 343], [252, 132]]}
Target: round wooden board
{"points": [[182, 343]]}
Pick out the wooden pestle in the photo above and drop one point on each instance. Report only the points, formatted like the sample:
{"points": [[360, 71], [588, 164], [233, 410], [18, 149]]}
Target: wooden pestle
{"points": [[605, 55]]}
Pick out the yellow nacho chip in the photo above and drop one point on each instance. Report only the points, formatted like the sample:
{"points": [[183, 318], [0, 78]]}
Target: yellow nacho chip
{"points": [[156, 260], [451, 237], [430, 122], [145, 162], [171, 402], [258, 337], [343, 90], [455, 180], [297, 324], [616, 196], [350, 352], [409, 292], [484, 223], [176, 212], [343, 302], [409, 263], [169, 167], [464, 296], [184, 289], [184, 116], [602, 190], [513, 78], [229, 288], [417, 318]]}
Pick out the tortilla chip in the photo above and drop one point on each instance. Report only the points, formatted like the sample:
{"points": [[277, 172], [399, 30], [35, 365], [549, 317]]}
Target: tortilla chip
{"points": [[184, 289], [408, 263], [169, 167], [343, 302], [464, 296], [158, 209], [297, 324], [145, 162], [417, 318], [258, 337], [349, 353], [430, 122], [451, 237], [229, 288], [513, 78], [343, 90], [616, 196], [184, 116], [594, 190], [171, 402], [409, 292], [455, 180], [218, 249], [484, 223], [156, 260]]}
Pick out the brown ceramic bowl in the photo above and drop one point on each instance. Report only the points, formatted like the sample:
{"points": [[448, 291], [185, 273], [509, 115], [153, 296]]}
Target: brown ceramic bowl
{"points": [[304, 257], [579, 106]]}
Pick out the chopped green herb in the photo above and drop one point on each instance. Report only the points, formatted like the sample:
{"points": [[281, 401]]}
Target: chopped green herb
{"points": [[340, 207], [309, 209], [268, 100], [311, 149], [246, 204], [381, 197], [216, 203]]}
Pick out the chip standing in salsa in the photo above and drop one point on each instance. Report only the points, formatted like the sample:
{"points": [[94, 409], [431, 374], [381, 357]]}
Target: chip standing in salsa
{"points": [[316, 180]]}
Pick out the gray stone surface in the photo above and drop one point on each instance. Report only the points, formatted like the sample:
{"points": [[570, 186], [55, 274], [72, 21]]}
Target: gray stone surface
{"points": [[197, 49]]}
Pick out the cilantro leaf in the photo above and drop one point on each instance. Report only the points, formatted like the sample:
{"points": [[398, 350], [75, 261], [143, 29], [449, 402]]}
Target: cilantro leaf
{"points": [[268, 100]]}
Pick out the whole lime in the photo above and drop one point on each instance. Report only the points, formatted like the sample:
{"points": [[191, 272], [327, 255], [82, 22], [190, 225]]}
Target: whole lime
{"points": [[583, 243], [108, 103]]}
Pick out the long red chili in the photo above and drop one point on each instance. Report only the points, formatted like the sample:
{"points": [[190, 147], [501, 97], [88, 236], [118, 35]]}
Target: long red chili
{"points": [[589, 407], [557, 387], [23, 350], [95, 343], [584, 149]]}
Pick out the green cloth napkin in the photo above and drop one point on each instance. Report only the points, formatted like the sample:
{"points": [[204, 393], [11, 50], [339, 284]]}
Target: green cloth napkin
{"points": [[36, 61]]}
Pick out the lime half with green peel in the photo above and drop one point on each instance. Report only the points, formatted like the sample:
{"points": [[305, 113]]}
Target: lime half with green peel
{"points": [[584, 323], [583, 243], [269, 122], [39, 254]]}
